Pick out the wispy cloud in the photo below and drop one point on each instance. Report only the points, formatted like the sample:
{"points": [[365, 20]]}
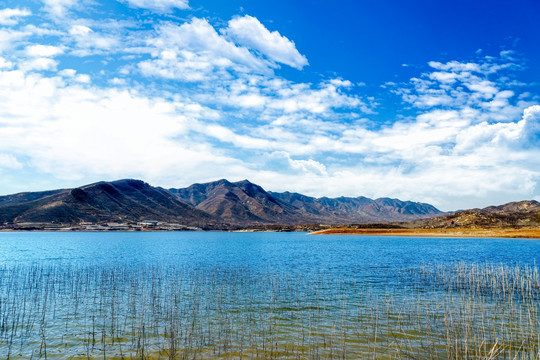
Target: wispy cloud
{"points": [[160, 6], [8, 161], [89, 42], [11, 16], [10, 36], [59, 8]]}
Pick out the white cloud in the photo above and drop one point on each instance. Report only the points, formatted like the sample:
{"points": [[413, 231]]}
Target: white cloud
{"points": [[466, 85], [42, 30], [39, 64], [79, 30], [274, 99], [59, 8], [69, 73], [301, 97], [226, 135], [10, 16], [455, 66], [4, 64], [194, 51], [8, 37], [117, 81], [72, 74], [89, 42], [43, 50], [308, 166], [8, 161], [83, 78], [531, 125], [161, 6], [73, 132], [249, 32]]}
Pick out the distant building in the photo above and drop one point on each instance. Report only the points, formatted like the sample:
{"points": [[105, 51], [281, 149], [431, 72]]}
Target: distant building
{"points": [[148, 223], [117, 226]]}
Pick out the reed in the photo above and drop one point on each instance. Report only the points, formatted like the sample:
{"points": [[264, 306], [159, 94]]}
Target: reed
{"points": [[436, 311]]}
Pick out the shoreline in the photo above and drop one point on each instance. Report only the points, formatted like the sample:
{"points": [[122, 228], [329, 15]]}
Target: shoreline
{"points": [[525, 233]]}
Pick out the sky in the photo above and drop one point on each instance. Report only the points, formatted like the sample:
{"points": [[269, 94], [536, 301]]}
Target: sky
{"points": [[428, 101]]}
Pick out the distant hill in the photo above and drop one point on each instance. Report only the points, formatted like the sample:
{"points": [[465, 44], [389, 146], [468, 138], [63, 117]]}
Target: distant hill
{"points": [[514, 214], [357, 209], [117, 201], [215, 205], [244, 202]]}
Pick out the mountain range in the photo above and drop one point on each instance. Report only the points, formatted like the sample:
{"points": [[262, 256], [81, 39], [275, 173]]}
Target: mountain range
{"points": [[215, 205], [511, 215]]}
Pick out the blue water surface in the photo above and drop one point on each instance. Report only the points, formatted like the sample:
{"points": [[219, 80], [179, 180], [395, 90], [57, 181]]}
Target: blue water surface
{"points": [[339, 255]]}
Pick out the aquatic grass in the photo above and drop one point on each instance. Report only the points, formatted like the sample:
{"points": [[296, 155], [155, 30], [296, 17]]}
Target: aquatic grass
{"points": [[436, 311]]}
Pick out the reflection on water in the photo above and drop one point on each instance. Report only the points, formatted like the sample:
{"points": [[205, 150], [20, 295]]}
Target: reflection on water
{"points": [[241, 307]]}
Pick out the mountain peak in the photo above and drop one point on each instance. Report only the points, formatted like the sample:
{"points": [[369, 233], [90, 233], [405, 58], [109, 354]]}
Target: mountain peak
{"points": [[245, 182]]}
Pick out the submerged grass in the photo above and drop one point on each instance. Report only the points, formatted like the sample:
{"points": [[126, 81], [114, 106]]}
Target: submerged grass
{"points": [[458, 311]]}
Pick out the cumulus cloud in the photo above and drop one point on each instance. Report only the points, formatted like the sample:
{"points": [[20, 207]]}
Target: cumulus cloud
{"points": [[11, 16], [160, 6], [531, 125], [308, 166], [248, 31], [73, 131], [43, 50], [195, 51]]}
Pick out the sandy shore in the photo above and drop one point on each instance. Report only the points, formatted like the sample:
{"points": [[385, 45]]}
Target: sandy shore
{"points": [[529, 233]]}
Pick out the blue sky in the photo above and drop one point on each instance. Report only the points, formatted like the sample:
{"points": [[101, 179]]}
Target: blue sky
{"points": [[421, 100]]}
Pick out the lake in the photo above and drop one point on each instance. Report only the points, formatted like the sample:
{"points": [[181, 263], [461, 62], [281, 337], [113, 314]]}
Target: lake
{"points": [[206, 295]]}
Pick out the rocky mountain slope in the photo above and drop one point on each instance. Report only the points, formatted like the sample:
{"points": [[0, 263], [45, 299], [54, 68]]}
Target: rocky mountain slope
{"points": [[117, 201], [515, 214], [243, 201], [239, 202], [358, 209]]}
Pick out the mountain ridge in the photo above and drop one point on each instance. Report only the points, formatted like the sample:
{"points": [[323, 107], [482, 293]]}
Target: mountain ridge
{"points": [[218, 204], [116, 201], [273, 207]]}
